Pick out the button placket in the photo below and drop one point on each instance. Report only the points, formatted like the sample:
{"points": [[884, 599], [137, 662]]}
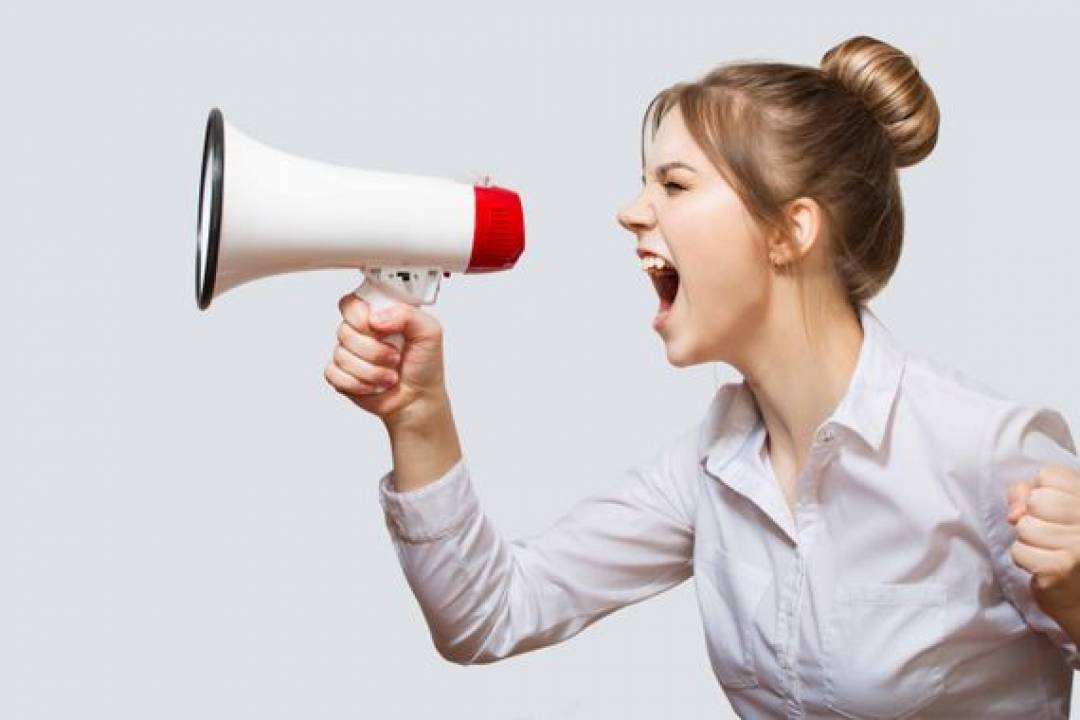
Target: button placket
{"points": [[808, 486], [788, 633], [806, 505]]}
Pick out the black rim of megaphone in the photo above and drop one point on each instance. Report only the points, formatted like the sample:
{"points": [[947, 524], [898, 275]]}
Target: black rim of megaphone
{"points": [[213, 152]]}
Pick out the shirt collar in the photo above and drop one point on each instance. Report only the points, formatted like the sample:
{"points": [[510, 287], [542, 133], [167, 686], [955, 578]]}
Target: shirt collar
{"points": [[865, 408]]}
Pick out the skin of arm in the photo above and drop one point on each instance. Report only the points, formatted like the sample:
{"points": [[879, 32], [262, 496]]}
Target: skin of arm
{"points": [[425, 446]]}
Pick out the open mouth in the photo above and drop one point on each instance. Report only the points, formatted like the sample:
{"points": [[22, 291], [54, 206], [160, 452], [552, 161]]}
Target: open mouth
{"points": [[665, 278]]}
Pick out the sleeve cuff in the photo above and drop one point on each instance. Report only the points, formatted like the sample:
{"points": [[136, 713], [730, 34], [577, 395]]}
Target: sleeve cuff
{"points": [[434, 511]]}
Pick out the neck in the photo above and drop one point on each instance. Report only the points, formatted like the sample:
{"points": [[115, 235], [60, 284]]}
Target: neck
{"points": [[798, 381]]}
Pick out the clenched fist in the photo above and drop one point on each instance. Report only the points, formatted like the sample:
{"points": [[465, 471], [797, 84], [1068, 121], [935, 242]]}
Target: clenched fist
{"points": [[1046, 513], [372, 374]]}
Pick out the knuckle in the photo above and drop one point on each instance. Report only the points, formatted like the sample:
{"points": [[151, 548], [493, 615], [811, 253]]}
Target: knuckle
{"points": [[348, 338], [354, 315], [1046, 504], [1065, 478], [1036, 499], [341, 356], [1012, 491], [1044, 580], [336, 380], [1056, 472]]}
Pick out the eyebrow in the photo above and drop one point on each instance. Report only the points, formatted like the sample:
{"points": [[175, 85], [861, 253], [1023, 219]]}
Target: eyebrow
{"points": [[660, 170]]}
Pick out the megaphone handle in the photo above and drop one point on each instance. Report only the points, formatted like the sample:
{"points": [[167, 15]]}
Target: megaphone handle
{"points": [[376, 298]]}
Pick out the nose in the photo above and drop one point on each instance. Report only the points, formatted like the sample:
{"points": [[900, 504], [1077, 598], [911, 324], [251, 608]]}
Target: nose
{"points": [[637, 217]]}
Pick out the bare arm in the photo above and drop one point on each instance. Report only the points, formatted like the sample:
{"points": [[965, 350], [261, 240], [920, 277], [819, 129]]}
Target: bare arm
{"points": [[424, 446]]}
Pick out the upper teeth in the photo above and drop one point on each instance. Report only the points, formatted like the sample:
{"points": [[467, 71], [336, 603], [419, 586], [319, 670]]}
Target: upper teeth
{"points": [[654, 262]]}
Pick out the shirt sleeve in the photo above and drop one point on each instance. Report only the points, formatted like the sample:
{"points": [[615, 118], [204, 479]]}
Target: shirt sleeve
{"points": [[1023, 439], [486, 598]]}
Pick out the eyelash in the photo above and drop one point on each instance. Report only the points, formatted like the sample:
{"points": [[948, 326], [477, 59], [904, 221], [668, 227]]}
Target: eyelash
{"points": [[675, 185]]}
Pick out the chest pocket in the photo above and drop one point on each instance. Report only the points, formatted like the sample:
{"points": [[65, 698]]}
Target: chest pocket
{"points": [[881, 649], [730, 592]]}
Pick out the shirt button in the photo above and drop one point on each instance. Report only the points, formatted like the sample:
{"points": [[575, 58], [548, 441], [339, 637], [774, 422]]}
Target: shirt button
{"points": [[826, 435]]}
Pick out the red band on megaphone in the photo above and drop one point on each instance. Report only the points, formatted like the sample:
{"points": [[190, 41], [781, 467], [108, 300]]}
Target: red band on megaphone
{"points": [[499, 237]]}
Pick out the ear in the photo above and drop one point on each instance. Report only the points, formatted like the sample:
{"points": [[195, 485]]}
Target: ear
{"points": [[804, 221]]}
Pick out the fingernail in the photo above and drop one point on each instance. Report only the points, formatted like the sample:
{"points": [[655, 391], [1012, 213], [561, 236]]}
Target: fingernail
{"points": [[381, 315]]}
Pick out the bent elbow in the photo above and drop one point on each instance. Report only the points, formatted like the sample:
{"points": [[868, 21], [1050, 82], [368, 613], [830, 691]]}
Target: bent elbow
{"points": [[466, 654], [456, 654], [451, 656]]}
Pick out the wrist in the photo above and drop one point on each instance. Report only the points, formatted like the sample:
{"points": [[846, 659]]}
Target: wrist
{"points": [[419, 416], [424, 444]]}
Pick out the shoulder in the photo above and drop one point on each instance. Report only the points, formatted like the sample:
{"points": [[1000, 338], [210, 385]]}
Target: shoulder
{"points": [[674, 467], [667, 475], [955, 406], [1018, 440], [977, 438], [1004, 439], [930, 380]]}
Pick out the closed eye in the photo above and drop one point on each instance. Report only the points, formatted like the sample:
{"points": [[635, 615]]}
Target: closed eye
{"points": [[676, 186]]}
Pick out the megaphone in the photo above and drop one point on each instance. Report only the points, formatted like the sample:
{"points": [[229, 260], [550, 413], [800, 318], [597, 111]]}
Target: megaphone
{"points": [[265, 212]]}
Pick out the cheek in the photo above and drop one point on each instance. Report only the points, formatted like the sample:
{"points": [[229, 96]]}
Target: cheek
{"points": [[725, 280], [727, 290], [724, 263]]}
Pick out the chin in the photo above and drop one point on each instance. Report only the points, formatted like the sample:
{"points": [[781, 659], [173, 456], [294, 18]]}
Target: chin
{"points": [[679, 355]]}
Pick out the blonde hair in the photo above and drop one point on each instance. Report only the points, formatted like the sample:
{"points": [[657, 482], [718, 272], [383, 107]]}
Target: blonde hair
{"points": [[836, 134]]}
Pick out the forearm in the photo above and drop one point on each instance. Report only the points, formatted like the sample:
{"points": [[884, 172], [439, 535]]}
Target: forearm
{"points": [[424, 446]]}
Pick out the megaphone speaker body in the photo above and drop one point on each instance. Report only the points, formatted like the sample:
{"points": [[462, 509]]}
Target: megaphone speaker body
{"points": [[265, 212]]}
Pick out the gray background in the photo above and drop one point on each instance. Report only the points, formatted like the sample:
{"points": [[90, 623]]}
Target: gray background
{"points": [[190, 520]]}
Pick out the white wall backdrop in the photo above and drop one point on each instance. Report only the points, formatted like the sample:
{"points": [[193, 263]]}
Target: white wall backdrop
{"points": [[190, 519]]}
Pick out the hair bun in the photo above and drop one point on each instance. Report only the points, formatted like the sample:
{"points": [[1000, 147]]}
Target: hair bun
{"points": [[888, 83]]}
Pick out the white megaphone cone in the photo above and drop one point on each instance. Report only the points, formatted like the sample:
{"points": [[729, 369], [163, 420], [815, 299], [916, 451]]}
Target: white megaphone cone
{"points": [[264, 212]]}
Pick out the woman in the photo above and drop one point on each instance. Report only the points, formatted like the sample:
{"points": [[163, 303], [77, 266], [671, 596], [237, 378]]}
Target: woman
{"points": [[844, 509]]}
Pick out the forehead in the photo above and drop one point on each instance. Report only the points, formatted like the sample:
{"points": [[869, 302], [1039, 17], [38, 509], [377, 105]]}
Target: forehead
{"points": [[672, 142]]}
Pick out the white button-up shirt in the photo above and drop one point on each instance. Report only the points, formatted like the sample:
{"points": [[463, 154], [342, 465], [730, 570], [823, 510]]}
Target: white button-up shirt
{"points": [[889, 593]]}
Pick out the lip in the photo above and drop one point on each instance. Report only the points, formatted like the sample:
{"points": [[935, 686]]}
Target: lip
{"points": [[661, 319]]}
